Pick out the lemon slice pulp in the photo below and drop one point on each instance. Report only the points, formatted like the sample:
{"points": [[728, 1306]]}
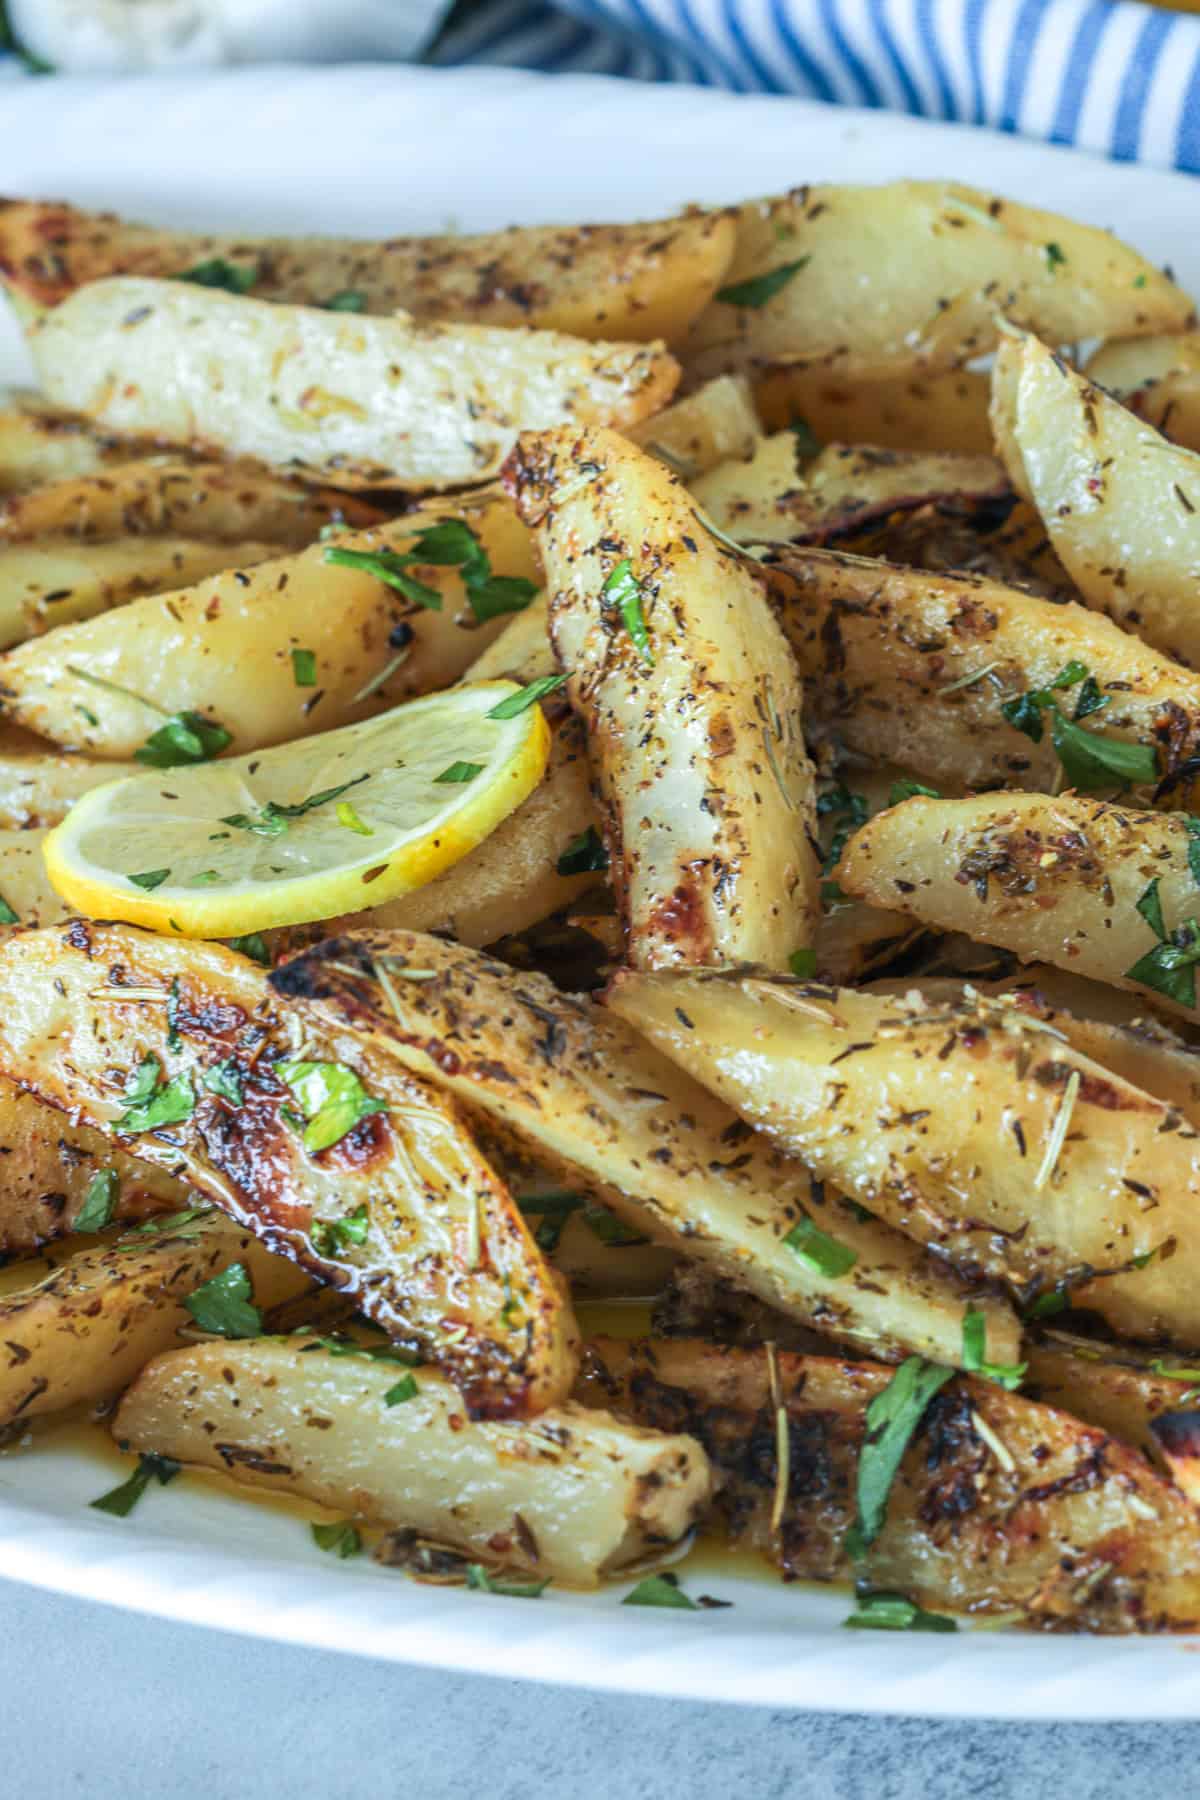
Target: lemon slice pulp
{"points": [[327, 825]]}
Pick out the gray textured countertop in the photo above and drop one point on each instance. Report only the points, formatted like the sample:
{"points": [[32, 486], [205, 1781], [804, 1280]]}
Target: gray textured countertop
{"points": [[103, 1703]]}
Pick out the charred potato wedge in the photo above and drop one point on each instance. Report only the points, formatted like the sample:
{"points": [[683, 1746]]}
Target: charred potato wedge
{"points": [[1000, 1505], [972, 1127], [571, 1496], [911, 277], [1059, 880], [599, 1109], [435, 1250], [335, 396], [691, 703], [633, 282], [1119, 503]]}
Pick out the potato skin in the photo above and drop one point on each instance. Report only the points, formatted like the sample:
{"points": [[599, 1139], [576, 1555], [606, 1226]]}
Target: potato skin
{"points": [[1121, 506], [888, 656], [1079, 1534], [634, 282], [695, 739], [1057, 879], [942, 1120], [572, 1496], [362, 401], [905, 278]]}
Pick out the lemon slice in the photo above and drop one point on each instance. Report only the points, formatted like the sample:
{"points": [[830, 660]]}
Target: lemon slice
{"points": [[311, 829]]}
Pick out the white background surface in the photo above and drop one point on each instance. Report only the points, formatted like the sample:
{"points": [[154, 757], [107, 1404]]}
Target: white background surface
{"points": [[380, 150]]}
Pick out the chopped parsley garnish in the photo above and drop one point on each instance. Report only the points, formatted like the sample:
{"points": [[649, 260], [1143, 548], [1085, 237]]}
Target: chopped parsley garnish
{"points": [[150, 878], [448, 544], [459, 773], [660, 1590], [623, 591], [338, 1346], [346, 300], [818, 1251], [974, 1354], [405, 1389], [304, 668], [760, 288], [235, 278], [351, 820], [253, 945], [513, 704], [272, 819], [610, 1230], [584, 855], [341, 1539], [225, 1078], [807, 444], [174, 1041], [331, 1098], [803, 963], [99, 1202], [120, 1501], [481, 1582], [908, 790], [151, 1104], [553, 1210], [1090, 762], [848, 811], [7, 915], [186, 737], [331, 1235], [224, 1304], [1055, 256], [892, 1418], [892, 1612], [1170, 967], [1159, 1367]]}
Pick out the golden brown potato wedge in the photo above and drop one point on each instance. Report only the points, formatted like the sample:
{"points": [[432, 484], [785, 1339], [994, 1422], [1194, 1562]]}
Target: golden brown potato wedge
{"points": [[973, 1127], [24, 885], [999, 1505], [911, 277], [571, 1496], [604, 1113], [38, 443], [39, 784], [84, 1331], [913, 669], [1107, 1386], [1059, 880], [397, 1207], [776, 496], [220, 502], [635, 281], [224, 647], [691, 703], [946, 539], [703, 429], [1158, 378], [939, 412], [1119, 502], [58, 582], [360, 401]]}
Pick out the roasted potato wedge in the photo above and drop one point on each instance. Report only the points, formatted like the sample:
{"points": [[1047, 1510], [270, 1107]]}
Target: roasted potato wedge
{"points": [[84, 1331], [58, 582], [1158, 378], [708, 427], [336, 396], [911, 277], [570, 1496], [1059, 880], [614, 281], [224, 647], [946, 539], [39, 784], [38, 443], [221, 502], [691, 704], [24, 885], [1107, 1386], [435, 1250], [999, 1506], [1119, 502], [840, 491], [914, 668], [973, 1127], [938, 412], [603, 1112]]}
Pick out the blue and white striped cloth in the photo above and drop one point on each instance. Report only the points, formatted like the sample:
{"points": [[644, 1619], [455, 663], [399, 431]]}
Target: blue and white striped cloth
{"points": [[1108, 75]]}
